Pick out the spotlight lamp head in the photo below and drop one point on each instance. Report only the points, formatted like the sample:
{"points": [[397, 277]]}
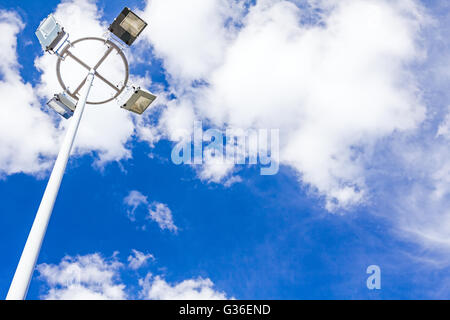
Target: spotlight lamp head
{"points": [[63, 104], [127, 26], [50, 33], [139, 101]]}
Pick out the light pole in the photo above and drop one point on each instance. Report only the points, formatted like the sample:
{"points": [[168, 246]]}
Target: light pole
{"points": [[24, 271], [50, 33]]}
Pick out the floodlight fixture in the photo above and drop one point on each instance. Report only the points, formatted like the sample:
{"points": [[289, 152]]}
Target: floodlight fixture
{"points": [[50, 33], [139, 101], [63, 104], [127, 26]]}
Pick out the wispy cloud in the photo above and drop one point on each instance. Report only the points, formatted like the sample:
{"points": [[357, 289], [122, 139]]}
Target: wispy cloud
{"points": [[162, 215], [156, 288], [156, 211], [134, 200], [139, 259]]}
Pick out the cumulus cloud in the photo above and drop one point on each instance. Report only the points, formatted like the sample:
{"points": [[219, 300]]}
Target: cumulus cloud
{"points": [[333, 76], [333, 87], [419, 206], [93, 277], [199, 29], [133, 200], [337, 78], [89, 277], [28, 137], [156, 211], [217, 170], [156, 288]]}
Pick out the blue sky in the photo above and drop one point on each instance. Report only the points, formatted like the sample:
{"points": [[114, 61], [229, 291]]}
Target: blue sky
{"points": [[292, 235]]}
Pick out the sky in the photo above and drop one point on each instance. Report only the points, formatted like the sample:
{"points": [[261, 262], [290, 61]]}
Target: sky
{"points": [[353, 94]]}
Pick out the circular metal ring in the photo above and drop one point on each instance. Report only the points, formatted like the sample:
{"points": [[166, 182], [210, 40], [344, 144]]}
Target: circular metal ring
{"points": [[65, 52]]}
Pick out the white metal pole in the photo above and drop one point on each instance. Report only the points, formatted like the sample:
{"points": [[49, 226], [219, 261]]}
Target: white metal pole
{"points": [[22, 277]]}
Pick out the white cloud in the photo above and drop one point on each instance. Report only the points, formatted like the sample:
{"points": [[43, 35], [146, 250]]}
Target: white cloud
{"points": [[414, 170], [89, 277], [138, 259], [134, 199], [92, 277], [177, 120], [156, 211], [190, 35], [217, 169], [333, 88], [156, 288], [28, 138], [162, 215]]}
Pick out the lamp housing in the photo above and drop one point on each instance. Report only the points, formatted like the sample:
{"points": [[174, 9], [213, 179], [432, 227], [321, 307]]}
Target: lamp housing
{"points": [[139, 101], [50, 33], [127, 26], [63, 104]]}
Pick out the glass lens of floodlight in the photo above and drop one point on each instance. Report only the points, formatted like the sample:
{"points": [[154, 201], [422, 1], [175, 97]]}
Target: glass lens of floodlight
{"points": [[48, 26], [132, 24], [60, 108], [56, 106], [141, 104]]}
